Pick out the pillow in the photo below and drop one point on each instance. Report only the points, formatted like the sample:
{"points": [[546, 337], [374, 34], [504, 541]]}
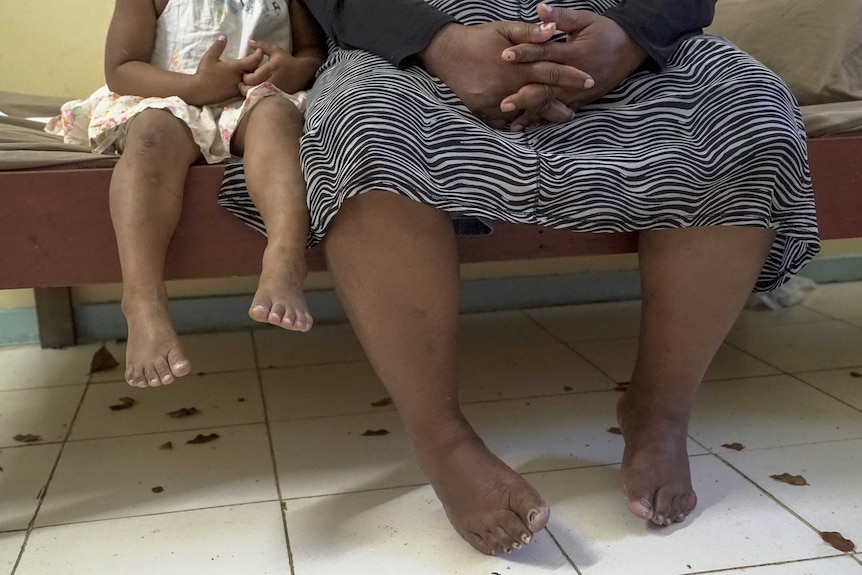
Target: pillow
{"points": [[815, 46]]}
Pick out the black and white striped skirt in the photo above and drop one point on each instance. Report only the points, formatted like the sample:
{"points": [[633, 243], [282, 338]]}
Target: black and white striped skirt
{"points": [[715, 138]]}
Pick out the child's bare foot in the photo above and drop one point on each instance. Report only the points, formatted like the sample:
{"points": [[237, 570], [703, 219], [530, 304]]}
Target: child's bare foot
{"points": [[490, 505], [154, 356], [279, 299], [655, 470]]}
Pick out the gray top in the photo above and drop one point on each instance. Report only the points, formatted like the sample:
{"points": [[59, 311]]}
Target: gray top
{"points": [[399, 29]]}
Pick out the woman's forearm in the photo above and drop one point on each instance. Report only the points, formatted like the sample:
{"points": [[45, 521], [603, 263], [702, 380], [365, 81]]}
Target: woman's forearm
{"points": [[659, 26], [394, 29]]}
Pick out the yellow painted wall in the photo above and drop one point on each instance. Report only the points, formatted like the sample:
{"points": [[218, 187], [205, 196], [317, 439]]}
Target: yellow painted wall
{"points": [[54, 47]]}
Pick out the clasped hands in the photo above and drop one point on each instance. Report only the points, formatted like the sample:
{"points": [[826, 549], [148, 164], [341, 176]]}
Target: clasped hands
{"points": [[220, 80], [509, 72]]}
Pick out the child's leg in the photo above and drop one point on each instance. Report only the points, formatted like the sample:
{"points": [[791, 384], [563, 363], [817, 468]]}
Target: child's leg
{"points": [[268, 139], [146, 201], [694, 282]]}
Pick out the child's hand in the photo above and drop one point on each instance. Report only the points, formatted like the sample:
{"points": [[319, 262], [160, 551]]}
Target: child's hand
{"points": [[219, 81], [283, 70]]}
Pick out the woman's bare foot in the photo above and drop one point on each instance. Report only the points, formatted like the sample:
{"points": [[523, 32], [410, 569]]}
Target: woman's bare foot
{"points": [[279, 299], [655, 472], [154, 356], [490, 505]]}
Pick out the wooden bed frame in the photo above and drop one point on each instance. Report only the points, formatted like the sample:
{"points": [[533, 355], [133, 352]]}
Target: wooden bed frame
{"points": [[57, 231]]}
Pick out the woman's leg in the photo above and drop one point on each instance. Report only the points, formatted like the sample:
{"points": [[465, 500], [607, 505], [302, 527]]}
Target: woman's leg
{"points": [[268, 139], [395, 266], [146, 199], [694, 282]]}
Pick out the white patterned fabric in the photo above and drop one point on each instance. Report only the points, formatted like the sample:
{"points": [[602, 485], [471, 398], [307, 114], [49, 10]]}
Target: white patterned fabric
{"points": [[185, 30]]}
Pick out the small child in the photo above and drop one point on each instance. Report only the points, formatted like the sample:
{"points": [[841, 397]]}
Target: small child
{"points": [[191, 79]]}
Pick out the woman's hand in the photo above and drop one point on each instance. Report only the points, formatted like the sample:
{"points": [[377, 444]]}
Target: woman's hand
{"points": [[218, 81], [467, 59], [283, 70], [593, 43]]}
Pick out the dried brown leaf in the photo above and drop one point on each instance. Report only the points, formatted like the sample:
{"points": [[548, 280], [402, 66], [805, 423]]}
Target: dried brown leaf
{"points": [[125, 403], [568, 388], [158, 489], [615, 430], [167, 446], [203, 438], [855, 374], [733, 446], [27, 438], [102, 361], [382, 402], [838, 541], [790, 479], [240, 399], [183, 412], [374, 432]]}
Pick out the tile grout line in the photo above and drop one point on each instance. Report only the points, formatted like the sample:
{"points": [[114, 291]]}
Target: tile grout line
{"points": [[154, 514], [150, 433], [563, 551], [572, 349], [43, 492], [795, 375], [312, 418], [829, 314], [782, 371], [281, 504], [824, 392], [763, 490], [736, 570]]}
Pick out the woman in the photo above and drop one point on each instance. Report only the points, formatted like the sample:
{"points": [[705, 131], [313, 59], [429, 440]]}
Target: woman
{"points": [[677, 135]]}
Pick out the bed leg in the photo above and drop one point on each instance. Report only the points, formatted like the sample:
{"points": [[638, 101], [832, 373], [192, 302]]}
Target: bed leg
{"points": [[55, 316]]}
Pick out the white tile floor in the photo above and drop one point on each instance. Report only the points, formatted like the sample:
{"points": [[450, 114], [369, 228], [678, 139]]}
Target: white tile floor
{"points": [[292, 487]]}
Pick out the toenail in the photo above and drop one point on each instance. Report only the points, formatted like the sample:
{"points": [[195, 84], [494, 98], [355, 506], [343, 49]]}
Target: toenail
{"points": [[526, 538], [647, 507], [507, 551], [532, 515], [659, 519], [516, 545]]}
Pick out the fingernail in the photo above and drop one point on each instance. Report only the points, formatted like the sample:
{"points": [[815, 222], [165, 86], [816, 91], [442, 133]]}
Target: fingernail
{"points": [[548, 26], [589, 83], [544, 7], [507, 107], [222, 38], [508, 55]]}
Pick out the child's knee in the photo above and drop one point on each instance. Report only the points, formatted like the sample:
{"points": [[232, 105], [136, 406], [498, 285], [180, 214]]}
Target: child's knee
{"points": [[157, 130], [281, 110]]}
